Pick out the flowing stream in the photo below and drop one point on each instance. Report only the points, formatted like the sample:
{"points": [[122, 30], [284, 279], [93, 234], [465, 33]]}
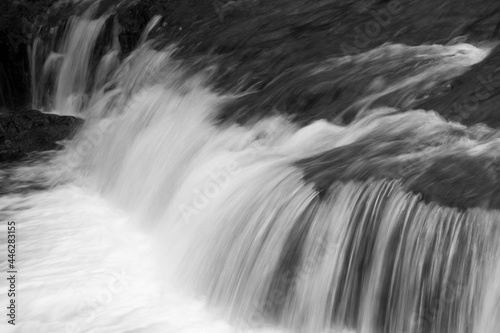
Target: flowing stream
{"points": [[158, 218]]}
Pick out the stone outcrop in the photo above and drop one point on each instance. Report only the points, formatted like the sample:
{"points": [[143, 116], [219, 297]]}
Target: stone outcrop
{"points": [[23, 132]]}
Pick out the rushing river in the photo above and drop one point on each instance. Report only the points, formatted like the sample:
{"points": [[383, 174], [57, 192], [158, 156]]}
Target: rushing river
{"points": [[159, 217]]}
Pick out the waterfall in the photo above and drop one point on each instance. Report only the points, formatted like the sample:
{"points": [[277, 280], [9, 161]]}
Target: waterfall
{"points": [[70, 82], [267, 225]]}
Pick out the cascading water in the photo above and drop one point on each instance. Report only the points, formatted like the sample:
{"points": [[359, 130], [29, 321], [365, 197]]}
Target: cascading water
{"points": [[158, 218]]}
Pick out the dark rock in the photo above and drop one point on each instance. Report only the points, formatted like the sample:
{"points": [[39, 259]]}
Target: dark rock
{"points": [[23, 132]]}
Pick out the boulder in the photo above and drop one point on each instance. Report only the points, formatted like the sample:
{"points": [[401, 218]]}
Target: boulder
{"points": [[23, 132]]}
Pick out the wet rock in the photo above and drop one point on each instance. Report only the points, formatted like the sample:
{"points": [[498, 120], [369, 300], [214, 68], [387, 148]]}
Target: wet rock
{"points": [[23, 132]]}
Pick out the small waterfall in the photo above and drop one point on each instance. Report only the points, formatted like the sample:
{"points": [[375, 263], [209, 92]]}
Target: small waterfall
{"points": [[33, 56], [270, 224], [67, 68], [73, 76]]}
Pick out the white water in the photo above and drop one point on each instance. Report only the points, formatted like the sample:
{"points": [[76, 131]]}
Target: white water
{"points": [[156, 220], [83, 268]]}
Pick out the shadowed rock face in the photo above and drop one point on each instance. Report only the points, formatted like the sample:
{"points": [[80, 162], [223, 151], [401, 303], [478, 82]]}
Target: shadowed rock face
{"points": [[23, 132]]}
